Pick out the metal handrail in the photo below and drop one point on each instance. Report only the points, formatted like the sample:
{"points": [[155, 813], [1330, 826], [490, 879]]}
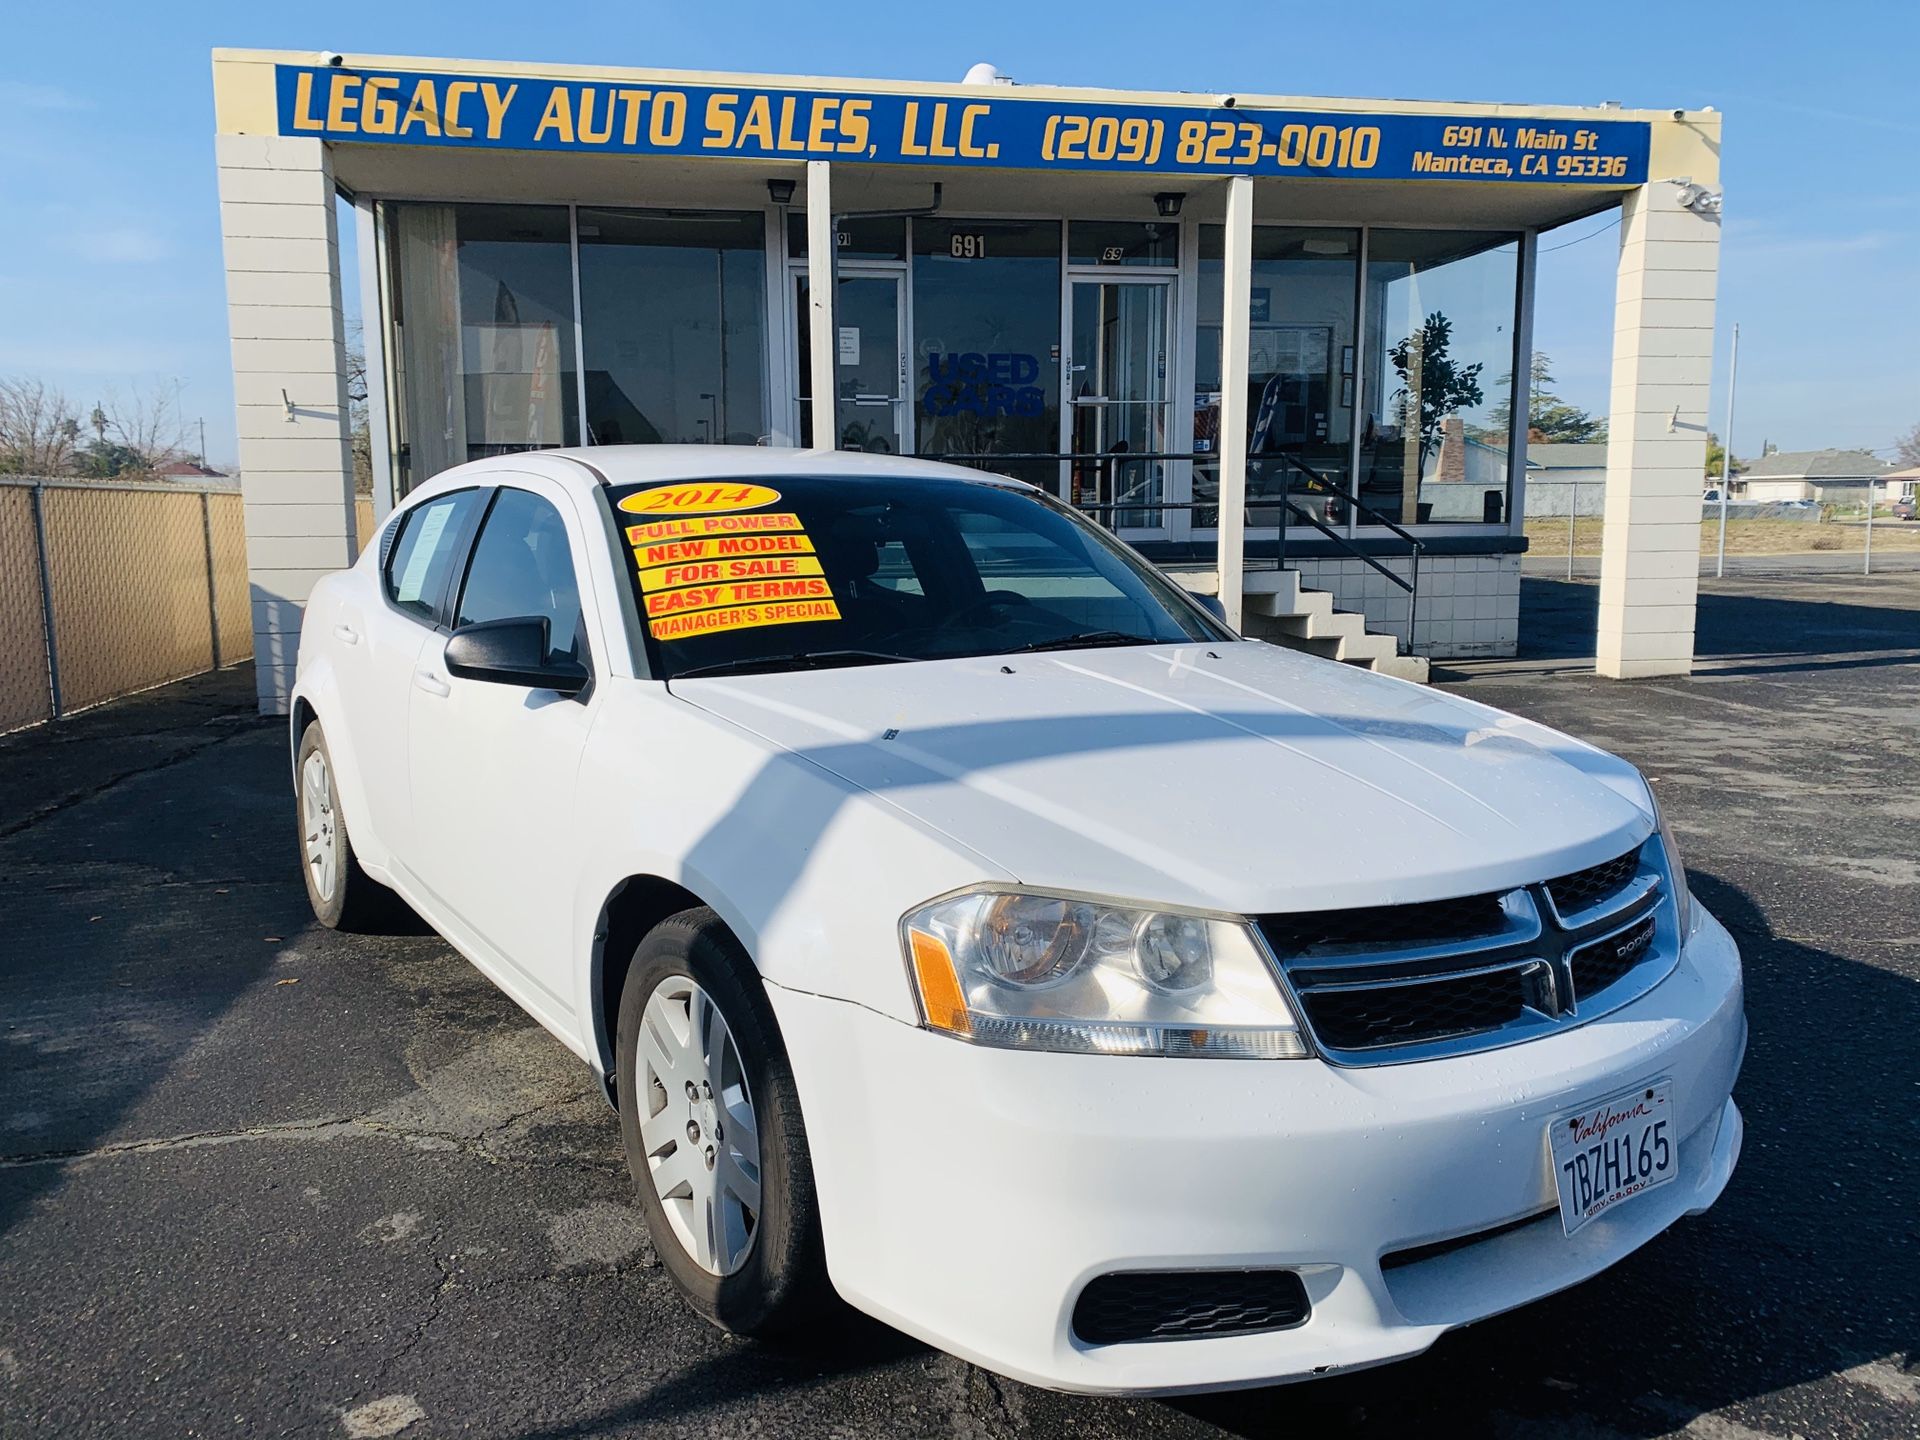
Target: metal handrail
{"points": [[1354, 500], [1288, 463], [1415, 548]]}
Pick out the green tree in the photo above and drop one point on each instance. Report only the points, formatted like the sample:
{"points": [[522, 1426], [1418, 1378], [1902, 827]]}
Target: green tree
{"points": [[1550, 420], [1433, 385], [1716, 456]]}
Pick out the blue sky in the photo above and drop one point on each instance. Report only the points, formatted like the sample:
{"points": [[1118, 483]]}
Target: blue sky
{"points": [[110, 268]]}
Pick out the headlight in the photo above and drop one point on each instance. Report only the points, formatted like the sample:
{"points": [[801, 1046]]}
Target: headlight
{"points": [[1676, 868], [1032, 971]]}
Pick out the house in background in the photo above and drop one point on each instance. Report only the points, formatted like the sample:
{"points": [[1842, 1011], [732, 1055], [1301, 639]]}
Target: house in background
{"points": [[1831, 477], [187, 470], [1567, 479], [1898, 485]]}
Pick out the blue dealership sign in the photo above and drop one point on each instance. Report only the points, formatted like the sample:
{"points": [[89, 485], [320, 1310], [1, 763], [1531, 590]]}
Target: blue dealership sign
{"points": [[999, 130]]}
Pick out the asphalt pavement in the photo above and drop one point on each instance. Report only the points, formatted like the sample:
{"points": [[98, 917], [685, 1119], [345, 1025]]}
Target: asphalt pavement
{"points": [[260, 1179]]}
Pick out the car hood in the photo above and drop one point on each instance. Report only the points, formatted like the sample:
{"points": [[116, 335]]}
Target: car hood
{"points": [[1237, 776]]}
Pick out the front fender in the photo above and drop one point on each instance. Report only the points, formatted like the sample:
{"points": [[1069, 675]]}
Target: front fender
{"points": [[811, 872]]}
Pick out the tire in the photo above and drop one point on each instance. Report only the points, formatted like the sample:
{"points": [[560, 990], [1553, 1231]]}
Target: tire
{"points": [[343, 896], [760, 1276]]}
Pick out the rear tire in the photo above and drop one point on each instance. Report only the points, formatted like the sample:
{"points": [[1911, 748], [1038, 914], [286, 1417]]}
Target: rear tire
{"points": [[343, 896], [713, 1132]]}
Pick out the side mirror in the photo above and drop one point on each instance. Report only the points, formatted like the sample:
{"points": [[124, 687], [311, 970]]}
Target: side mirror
{"points": [[512, 652], [1211, 604]]}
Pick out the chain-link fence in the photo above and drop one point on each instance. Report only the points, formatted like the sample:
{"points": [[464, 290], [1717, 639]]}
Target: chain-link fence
{"points": [[1566, 522], [108, 588]]}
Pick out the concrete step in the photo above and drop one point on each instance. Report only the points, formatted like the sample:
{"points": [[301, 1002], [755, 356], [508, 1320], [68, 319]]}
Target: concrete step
{"points": [[1283, 598], [1277, 608], [1403, 667], [1195, 582]]}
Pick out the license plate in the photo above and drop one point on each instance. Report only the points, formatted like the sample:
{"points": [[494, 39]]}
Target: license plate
{"points": [[1622, 1147]]}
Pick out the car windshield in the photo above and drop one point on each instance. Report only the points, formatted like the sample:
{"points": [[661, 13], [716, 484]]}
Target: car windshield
{"points": [[735, 576]]}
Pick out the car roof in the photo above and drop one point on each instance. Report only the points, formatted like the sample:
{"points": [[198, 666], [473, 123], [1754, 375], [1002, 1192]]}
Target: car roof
{"points": [[655, 464]]}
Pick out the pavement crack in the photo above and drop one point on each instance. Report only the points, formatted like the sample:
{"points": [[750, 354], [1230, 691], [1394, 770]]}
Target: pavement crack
{"points": [[68, 801], [306, 1129], [436, 1300]]}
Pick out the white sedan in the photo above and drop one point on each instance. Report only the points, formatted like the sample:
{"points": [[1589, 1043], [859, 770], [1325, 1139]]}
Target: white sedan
{"points": [[969, 925]]}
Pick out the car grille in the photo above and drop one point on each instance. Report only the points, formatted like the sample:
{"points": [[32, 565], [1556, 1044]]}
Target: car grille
{"points": [[1188, 1305], [1395, 1014], [1586, 888], [1382, 925], [1386, 984], [1608, 961]]}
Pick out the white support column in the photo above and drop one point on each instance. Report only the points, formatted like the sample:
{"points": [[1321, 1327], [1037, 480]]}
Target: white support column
{"points": [[1657, 434], [822, 348], [1235, 336], [290, 384]]}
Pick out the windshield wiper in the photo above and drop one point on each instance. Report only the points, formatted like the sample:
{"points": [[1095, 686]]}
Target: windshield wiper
{"points": [[1087, 640], [804, 660]]}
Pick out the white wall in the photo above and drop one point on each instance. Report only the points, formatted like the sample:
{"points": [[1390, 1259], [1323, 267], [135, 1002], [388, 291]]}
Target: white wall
{"points": [[290, 390]]}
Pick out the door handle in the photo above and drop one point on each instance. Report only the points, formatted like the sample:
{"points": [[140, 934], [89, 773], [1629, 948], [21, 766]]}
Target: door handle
{"points": [[346, 634], [432, 683]]}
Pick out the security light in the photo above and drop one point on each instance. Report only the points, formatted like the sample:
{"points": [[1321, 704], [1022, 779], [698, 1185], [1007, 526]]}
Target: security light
{"points": [[1167, 202], [780, 191]]}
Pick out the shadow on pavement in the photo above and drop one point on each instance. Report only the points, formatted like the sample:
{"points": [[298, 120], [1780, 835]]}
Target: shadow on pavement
{"points": [[137, 907], [1807, 617], [848, 1345]]}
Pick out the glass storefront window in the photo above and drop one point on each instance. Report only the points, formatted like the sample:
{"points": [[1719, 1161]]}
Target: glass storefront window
{"points": [[675, 326], [1439, 374], [986, 376], [1123, 242], [876, 237], [1301, 386], [483, 334]]}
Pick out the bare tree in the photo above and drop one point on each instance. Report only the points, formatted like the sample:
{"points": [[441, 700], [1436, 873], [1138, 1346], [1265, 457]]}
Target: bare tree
{"points": [[1907, 449], [38, 430], [146, 424], [357, 410]]}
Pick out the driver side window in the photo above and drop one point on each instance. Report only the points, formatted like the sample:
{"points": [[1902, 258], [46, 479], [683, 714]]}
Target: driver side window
{"points": [[523, 567]]}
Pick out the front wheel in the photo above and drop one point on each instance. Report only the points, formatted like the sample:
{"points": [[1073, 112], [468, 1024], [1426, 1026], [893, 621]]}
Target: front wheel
{"points": [[713, 1133]]}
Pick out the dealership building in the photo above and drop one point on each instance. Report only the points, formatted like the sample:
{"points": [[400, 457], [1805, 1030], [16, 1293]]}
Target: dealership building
{"points": [[1278, 343]]}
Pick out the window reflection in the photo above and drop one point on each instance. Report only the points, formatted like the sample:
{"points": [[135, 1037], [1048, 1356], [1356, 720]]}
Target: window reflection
{"points": [[1124, 242], [675, 327], [483, 334], [1439, 363], [1300, 383], [986, 300]]}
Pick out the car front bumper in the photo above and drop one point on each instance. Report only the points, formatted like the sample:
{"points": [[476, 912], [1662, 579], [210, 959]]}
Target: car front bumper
{"points": [[969, 1194]]}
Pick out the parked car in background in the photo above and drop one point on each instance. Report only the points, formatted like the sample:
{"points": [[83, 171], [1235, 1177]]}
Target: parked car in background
{"points": [[969, 925], [1907, 509]]}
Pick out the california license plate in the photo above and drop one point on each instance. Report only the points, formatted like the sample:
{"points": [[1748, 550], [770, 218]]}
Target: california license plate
{"points": [[1622, 1147]]}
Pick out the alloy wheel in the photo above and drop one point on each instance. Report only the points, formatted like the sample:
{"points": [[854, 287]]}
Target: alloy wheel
{"points": [[698, 1125], [319, 824]]}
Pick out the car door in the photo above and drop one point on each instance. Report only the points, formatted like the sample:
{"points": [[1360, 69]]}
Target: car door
{"points": [[492, 767], [377, 645]]}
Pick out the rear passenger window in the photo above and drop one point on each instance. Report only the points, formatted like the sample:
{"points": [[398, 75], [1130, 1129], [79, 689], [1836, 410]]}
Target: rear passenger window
{"points": [[415, 575]]}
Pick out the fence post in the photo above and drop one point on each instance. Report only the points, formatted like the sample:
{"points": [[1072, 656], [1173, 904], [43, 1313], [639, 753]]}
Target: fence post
{"points": [[1573, 523], [213, 607], [1866, 564], [39, 493]]}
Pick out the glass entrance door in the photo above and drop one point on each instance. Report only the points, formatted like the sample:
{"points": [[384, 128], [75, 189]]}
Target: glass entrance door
{"points": [[870, 369], [1118, 400]]}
